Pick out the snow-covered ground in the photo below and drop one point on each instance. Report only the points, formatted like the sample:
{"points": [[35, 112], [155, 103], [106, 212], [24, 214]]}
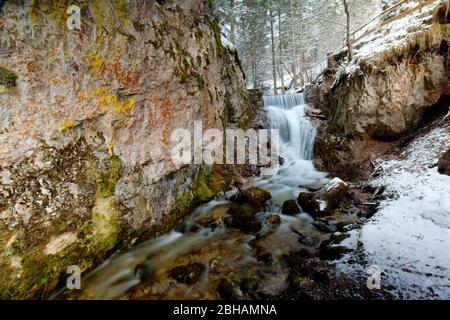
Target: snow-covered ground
{"points": [[394, 34], [409, 238]]}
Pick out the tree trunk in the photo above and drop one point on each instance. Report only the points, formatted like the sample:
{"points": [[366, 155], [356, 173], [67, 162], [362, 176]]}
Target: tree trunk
{"points": [[274, 59], [281, 71], [253, 63], [293, 51], [302, 56], [232, 25], [349, 40]]}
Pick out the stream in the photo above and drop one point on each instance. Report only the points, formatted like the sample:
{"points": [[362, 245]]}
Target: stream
{"points": [[214, 251]]}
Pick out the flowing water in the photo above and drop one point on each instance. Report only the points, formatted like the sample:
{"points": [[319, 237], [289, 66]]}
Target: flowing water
{"points": [[225, 253]]}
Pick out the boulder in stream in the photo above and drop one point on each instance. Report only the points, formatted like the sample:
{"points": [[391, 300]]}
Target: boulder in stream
{"points": [[325, 201], [188, 274], [290, 207], [243, 217], [254, 196], [145, 271], [273, 220]]}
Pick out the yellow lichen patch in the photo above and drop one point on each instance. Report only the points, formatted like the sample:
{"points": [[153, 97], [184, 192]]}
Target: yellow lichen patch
{"points": [[67, 125], [107, 101], [93, 60]]}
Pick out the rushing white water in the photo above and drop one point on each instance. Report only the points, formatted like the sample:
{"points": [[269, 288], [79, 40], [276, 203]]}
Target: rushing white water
{"points": [[119, 274], [287, 113]]}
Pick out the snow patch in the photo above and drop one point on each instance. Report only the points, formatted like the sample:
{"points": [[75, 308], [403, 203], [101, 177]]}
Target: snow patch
{"points": [[409, 238]]}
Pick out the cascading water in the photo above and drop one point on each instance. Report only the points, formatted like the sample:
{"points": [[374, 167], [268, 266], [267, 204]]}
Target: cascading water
{"points": [[287, 113], [215, 247]]}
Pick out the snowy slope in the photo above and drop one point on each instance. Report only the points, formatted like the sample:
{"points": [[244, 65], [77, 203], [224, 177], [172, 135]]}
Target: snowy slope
{"points": [[409, 238], [393, 33]]}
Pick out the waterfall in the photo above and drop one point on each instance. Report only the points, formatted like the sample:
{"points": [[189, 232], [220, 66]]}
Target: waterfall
{"points": [[288, 114]]}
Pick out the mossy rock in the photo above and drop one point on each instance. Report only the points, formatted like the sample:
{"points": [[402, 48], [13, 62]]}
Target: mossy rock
{"points": [[254, 196], [7, 77], [244, 217]]}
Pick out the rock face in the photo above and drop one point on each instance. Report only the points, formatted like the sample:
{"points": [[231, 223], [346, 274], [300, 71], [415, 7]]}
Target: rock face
{"points": [[444, 164], [383, 93], [86, 118]]}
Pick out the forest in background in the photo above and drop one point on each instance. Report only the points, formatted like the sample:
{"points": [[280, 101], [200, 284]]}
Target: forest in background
{"points": [[286, 42]]}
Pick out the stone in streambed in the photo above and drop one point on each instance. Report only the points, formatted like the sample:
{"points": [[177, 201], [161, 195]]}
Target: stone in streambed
{"points": [[305, 200], [331, 195], [290, 208], [145, 271], [444, 164], [273, 220], [325, 201], [243, 217], [325, 226], [253, 196], [188, 274], [228, 290]]}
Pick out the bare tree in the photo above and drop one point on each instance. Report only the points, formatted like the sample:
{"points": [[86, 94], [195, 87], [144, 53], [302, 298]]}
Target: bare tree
{"points": [[348, 27], [274, 58]]}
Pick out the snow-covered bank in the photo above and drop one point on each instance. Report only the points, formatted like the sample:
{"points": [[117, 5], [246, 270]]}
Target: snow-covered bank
{"points": [[409, 238]]}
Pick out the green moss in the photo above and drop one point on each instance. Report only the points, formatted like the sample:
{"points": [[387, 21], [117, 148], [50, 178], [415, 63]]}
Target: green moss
{"points": [[7, 77], [198, 34], [217, 36], [204, 193], [185, 203], [107, 178]]}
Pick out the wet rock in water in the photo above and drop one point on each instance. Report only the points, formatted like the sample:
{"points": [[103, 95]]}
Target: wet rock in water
{"points": [[290, 207], [144, 272], [228, 290], [304, 239], [261, 253], [325, 201], [273, 220], [188, 274], [331, 195], [305, 200], [326, 227], [253, 196], [444, 164], [243, 217]]}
